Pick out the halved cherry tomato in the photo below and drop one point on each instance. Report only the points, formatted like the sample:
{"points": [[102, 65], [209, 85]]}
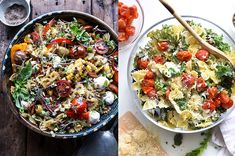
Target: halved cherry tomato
{"points": [[147, 89], [152, 93], [162, 46], [113, 88], [209, 104], [130, 30], [168, 91], [124, 11], [142, 64], [217, 102], [62, 40], [78, 106], [122, 36], [120, 4], [148, 83], [71, 114], [201, 84], [84, 116], [35, 36], [224, 98], [121, 24], [63, 88], [159, 59], [133, 11], [188, 80], [227, 105], [202, 55], [184, 55], [78, 51], [212, 92], [48, 26], [101, 47], [149, 75]]}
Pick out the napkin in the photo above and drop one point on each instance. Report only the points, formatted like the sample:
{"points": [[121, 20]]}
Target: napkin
{"points": [[224, 136]]}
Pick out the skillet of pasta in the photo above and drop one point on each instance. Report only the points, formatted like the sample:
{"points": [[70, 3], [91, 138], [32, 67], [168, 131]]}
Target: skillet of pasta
{"points": [[65, 75], [180, 84]]}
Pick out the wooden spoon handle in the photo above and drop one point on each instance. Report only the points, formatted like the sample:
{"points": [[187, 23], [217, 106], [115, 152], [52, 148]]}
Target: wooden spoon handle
{"points": [[203, 43]]}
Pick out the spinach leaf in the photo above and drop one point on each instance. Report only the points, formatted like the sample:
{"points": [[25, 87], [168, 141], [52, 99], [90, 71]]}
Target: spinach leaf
{"points": [[182, 103], [161, 86], [24, 74], [80, 34]]}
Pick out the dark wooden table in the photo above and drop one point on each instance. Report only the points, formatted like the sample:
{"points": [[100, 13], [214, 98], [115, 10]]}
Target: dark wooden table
{"points": [[17, 140]]}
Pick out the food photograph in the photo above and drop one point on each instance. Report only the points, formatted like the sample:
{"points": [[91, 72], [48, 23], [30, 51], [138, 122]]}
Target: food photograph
{"points": [[117, 78]]}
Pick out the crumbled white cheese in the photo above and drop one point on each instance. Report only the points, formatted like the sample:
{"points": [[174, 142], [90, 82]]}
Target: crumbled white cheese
{"points": [[109, 98], [101, 82], [94, 117]]}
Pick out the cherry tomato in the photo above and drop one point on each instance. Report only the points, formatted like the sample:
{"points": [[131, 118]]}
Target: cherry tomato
{"points": [[149, 75], [48, 26], [130, 30], [35, 36], [142, 64], [63, 88], [101, 47], [152, 93], [133, 11], [224, 98], [85, 116], [201, 84], [162, 46], [202, 55], [62, 40], [168, 91], [122, 36], [121, 24], [124, 11], [209, 104], [120, 4], [217, 102], [78, 51], [113, 88], [188, 80], [159, 59], [184, 55], [78, 106], [227, 105], [115, 77], [212, 92], [147, 89], [71, 114], [148, 83]]}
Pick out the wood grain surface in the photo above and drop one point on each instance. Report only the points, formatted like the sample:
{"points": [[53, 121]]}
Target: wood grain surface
{"points": [[17, 140]]}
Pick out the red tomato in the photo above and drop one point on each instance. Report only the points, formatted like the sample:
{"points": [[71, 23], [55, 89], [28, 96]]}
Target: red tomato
{"points": [[113, 88], [152, 93], [217, 102], [133, 11], [71, 114], [78, 106], [212, 92], [62, 40], [122, 36], [124, 11], [130, 30], [201, 84], [162, 46], [159, 59], [85, 116], [209, 104], [202, 55], [184, 55], [35, 36], [168, 91], [224, 98], [101, 47], [147, 89], [48, 26], [120, 4], [188, 80], [148, 83], [149, 75], [227, 105], [78, 51], [121, 24], [63, 88], [142, 64]]}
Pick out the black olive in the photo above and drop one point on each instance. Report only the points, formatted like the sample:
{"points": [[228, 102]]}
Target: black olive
{"points": [[20, 57]]}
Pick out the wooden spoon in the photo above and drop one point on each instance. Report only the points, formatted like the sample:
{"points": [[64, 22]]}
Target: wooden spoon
{"points": [[213, 50]]}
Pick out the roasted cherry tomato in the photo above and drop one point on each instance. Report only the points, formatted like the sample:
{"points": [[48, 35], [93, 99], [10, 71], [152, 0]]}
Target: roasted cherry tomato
{"points": [[130, 30], [147, 89], [84, 116], [121, 24], [201, 84], [227, 105], [133, 11], [162, 46], [48, 26], [224, 98], [212, 92], [142, 64], [35, 36], [152, 93], [62, 40], [78, 52], [209, 104], [101, 47], [184, 55], [159, 60], [78, 106], [148, 83], [63, 88], [149, 75], [188, 80], [202, 55], [168, 91], [71, 114], [217, 102], [113, 88], [125, 11], [122, 36]]}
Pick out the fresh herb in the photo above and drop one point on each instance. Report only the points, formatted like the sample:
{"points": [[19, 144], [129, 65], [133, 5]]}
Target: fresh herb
{"points": [[106, 83], [160, 86], [178, 139], [196, 67], [81, 34], [182, 103], [203, 145], [217, 40], [101, 106], [108, 41], [183, 67], [172, 72]]}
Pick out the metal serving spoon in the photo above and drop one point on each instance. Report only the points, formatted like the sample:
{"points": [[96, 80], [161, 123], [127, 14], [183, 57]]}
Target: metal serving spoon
{"points": [[213, 50], [100, 144]]}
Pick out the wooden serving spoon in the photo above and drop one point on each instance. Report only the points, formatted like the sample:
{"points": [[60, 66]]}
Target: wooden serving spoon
{"points": [[213, 50]]}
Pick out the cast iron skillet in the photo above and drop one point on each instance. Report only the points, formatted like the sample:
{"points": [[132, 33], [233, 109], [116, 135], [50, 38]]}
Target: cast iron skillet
{"points": [[7, 71]]}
